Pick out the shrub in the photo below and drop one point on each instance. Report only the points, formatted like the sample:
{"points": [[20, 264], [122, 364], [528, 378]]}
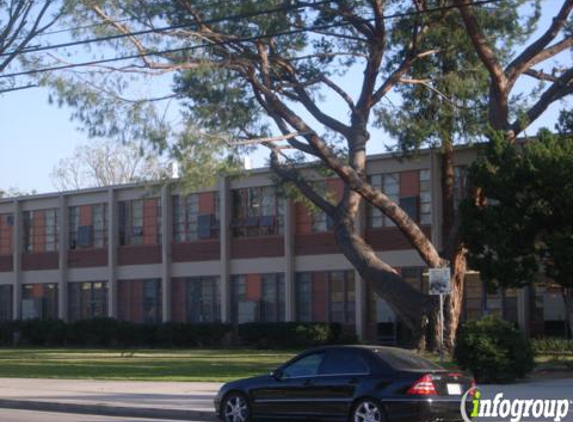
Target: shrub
{"points": [[494, 350], [191, 335], [109, 332], [289, 334], [552, 346]]}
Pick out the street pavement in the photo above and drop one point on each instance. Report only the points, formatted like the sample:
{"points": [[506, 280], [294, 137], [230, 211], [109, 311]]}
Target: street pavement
{"points": [[160, 400], [9, 415], [171, 400]]}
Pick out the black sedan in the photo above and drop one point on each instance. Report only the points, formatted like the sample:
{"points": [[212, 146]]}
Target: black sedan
{"points": [[348, 383]]}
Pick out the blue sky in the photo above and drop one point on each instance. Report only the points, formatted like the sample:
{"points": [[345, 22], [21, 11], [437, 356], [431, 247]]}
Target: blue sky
{"points": [[36, 135]]}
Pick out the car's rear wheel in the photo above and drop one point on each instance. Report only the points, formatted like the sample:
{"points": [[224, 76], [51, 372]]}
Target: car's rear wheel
{"points": [[367, 410], [235, 408]]}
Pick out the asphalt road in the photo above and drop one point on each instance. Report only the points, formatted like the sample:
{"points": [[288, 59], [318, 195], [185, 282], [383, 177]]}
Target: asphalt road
{"points": [[7, 415]]}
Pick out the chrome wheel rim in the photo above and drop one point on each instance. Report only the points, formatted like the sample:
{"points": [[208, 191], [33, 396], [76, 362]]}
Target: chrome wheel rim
{"points": [[367, 412], [235, 409]]}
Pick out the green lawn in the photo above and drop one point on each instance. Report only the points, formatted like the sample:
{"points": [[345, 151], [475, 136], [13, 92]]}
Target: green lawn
{"points": [[141, 365], [167, 365]]}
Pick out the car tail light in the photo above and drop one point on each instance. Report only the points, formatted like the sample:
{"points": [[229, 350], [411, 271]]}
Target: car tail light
{"points": [[424, 386]]}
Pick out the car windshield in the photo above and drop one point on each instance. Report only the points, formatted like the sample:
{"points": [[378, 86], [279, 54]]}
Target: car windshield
{"points": [[403, 360]]}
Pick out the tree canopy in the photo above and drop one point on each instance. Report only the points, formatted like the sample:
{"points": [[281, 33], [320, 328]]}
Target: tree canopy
{"points": [[522, 230], [316, 73]]}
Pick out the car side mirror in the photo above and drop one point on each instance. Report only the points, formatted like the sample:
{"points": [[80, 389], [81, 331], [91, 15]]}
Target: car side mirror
{"points": [[277, 374]]}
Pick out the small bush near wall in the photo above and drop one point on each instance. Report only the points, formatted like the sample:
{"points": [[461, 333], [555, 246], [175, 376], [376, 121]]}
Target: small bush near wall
{"points": [[552, 346], [289, 334], [494, 350], [108, 332]]}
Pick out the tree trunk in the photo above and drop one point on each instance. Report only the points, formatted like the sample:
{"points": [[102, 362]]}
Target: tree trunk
{"points": [[454, 301], [451, 248], [411, 306], [568, 299]]}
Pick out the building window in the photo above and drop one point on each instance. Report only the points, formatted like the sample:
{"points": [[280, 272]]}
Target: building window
{"points": [[388, 183], [6, 303], [326, 296], [87, 300], [203, 303], [257, 298], [152, 300], [100, 225], [303, 292], [257, 212], [40, 301], [190, 223], [417, 206], [40, 230], [6, 230], [342, 297], [425, 197], [140, 300], [140, 222], [88, 226], [244, 310], [273, 293]]}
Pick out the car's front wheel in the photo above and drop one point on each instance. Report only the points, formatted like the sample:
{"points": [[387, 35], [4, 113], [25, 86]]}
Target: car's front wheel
{"points": [[235, 408], [367, 410]]}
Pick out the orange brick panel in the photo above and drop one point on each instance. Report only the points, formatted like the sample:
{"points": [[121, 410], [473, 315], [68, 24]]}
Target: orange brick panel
{"points": [[202, 250], [40, 261], [134, 255], [39, 230], [390, 238], [178, 295], [81, 258], [5, 236], [150, 221], [86, 215], [206, 203], [123, 299], [257, 247], [254, 287], [315, 244], [303, 219], [410, 183], [136, 300], [6, 264]]}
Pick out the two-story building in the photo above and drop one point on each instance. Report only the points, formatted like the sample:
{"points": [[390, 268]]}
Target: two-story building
{"points": [[235, 252]]}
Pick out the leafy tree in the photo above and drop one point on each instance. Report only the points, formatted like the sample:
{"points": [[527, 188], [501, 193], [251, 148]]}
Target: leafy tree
{"points": [[105, 163], [444, 103], [13, 192], [523, 226], [21, 22], [248, 69]]}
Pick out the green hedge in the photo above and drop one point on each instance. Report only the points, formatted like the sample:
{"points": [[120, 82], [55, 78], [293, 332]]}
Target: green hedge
{"points": [[552, 346], [290, 334], [108, 332], [494, 350]]}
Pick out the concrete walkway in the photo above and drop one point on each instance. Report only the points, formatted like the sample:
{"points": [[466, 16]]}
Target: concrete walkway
{"points": [[159, 400], [181, 400]]}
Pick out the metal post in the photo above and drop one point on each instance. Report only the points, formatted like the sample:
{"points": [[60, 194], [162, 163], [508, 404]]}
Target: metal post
{"points": [[441, 329]]}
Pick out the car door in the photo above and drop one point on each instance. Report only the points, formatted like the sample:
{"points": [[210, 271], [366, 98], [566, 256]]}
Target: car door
{"points": [[289, 394], [341, 373]]}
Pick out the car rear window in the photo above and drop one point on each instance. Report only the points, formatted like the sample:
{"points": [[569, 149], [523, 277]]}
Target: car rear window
{"points": [[403, 360]]}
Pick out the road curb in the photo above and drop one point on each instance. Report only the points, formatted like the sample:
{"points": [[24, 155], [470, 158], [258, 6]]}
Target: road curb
{"points": [[107, 410]]}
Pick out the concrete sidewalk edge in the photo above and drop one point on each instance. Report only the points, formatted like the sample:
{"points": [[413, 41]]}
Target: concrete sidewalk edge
{"points": [[107, 410]]}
